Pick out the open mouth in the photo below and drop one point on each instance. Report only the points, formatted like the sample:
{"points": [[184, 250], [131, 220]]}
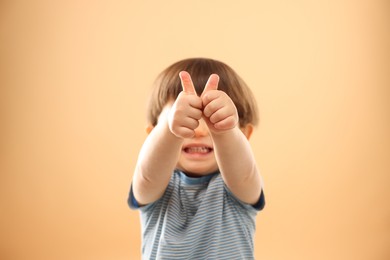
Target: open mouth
{"points": [[198, 149]]}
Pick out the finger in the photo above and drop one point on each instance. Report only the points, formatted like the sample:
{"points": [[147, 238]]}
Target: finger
{"points": [[219, 115], [193, 100], [186, 82], [212, 83], [190, 123], [226, 124], [186, 132], [183, 132], [212, 107], [195, 114]]}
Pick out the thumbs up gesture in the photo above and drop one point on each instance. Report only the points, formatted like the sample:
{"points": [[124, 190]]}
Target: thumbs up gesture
{"points": [[186, 112], [219, 111], [215, 106]]}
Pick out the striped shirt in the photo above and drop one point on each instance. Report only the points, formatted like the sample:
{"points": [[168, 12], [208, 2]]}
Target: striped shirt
{"points": [[197, 218]]}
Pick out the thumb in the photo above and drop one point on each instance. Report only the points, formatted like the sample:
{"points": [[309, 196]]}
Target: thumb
{"points": [[212, 83], [186, 82]]}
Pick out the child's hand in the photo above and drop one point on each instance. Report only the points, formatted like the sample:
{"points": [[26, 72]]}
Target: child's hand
{"points": [[186, 112], [219, 110]]}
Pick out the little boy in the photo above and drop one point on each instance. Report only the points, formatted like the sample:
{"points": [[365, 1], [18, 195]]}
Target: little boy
{"points": [[196, 182]]}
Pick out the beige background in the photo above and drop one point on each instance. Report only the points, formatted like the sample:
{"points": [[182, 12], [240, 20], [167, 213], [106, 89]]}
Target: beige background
{"points": [[75, 76]]}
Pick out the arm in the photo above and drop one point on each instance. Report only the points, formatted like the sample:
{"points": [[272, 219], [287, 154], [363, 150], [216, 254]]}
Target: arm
{"points": [[160, 152], [156, 161], [237, 165], [232, 149]]}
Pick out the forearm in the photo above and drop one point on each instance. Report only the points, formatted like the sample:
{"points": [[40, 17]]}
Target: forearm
{"points": [[237, 164], [156, 162]]}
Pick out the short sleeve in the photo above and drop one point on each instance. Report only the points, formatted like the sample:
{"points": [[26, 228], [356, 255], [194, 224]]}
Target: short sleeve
{"points": [[131, 201], [261, 202], [135, 205], [258, 206]]}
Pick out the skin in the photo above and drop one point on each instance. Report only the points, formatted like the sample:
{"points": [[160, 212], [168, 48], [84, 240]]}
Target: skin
{"points": [[198, 135]]}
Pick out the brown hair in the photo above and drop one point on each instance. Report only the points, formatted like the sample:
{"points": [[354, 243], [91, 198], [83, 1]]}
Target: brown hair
{"points": [[168, 86]]}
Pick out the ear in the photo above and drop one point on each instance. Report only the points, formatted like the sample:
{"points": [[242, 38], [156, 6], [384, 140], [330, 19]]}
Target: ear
{"points": [[247, 130], [149, 128]]}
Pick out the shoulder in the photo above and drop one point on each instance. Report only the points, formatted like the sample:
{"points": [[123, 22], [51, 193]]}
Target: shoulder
{"points": [[173, 182]]}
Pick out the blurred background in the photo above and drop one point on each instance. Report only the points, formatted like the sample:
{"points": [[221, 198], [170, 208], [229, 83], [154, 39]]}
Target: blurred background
{"points": [[74, 81]]}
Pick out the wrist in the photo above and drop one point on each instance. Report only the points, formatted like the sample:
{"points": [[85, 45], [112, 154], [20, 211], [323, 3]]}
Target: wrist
{"points": [[165, 130]]}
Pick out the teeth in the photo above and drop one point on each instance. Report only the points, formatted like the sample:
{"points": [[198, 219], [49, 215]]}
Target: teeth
{"points": [[197, 150]]}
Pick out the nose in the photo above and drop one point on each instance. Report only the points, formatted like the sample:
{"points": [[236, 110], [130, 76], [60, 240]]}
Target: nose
{"points": [[202, 129]]}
